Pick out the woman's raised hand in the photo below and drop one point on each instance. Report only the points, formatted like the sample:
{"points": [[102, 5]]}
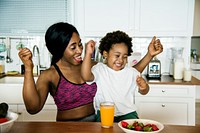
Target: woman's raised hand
{"points": [[26, 56]]}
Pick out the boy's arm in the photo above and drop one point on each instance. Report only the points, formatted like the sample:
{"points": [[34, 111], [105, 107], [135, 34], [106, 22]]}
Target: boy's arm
{"points": [[86, 67], [143, 85], [155, 47]]}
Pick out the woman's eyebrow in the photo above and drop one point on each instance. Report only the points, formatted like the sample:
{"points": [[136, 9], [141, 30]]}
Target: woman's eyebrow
{"points": [[75, 42]]}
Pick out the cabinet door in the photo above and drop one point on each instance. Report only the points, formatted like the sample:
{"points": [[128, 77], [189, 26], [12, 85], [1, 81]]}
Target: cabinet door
{"points": [[14, 108], [170, 91], [196, 29], [11, 93], [48, 113], [177, 111], [97, 17], [164, 17]]}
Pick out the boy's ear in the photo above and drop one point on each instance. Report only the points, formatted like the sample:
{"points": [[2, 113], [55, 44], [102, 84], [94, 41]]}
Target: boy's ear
{"points": [[105, 54]]}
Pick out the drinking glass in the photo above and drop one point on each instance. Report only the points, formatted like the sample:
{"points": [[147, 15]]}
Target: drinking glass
{"points": [[107, 114]]}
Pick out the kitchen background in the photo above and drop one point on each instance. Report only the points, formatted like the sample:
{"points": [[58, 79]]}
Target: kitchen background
{"points": [[24, 22], [175, 22]]}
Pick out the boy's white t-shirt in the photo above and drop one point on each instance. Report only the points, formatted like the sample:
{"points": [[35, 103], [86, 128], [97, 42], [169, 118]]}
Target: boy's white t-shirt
{"points": [[115, 86]]}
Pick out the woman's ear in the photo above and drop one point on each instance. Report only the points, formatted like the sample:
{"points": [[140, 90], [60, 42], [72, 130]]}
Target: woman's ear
{"points": [[105, 54]]}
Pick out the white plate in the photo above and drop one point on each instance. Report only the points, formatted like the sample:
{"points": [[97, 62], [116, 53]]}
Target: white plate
{"points": [[144, 121]]}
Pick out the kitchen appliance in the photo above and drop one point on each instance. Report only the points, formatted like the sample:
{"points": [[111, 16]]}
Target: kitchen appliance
{"points": [[154, 69]]}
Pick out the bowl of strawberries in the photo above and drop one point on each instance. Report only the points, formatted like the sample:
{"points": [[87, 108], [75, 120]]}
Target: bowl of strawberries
{"points": [[7, 118], [140, 126]]}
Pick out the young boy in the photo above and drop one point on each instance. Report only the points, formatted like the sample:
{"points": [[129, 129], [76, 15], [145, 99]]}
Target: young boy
{"points": [[116, 82]]}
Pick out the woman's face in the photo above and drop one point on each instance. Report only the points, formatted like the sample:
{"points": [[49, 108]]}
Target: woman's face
{"points": [[74, 50], [117, 56]]}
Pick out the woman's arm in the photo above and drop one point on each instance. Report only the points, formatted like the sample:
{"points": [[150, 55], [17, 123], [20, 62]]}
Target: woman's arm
{"points": [[154, 48], [86, 72], [33, 100]]}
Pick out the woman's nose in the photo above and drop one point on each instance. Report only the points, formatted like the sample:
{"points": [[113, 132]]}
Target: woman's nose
{"points": [[79, 50]]}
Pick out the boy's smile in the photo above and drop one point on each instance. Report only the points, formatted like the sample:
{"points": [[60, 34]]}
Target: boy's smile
{"points": [[116, 58]]}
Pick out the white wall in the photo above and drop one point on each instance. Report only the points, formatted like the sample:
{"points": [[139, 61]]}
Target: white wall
{"points": [[141, 45], [28, 42]]}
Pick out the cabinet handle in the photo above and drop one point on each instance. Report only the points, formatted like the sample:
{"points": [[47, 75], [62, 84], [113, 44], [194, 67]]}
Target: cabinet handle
{"points": [[163, 91], [19, 113], [163, 105]]}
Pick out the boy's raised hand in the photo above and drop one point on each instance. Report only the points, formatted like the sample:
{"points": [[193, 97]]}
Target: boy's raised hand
{"points": [[90, 47], [155, 47]]}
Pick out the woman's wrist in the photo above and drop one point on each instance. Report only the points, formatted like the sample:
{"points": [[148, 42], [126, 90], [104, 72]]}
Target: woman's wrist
{"points": [[28, 69]]}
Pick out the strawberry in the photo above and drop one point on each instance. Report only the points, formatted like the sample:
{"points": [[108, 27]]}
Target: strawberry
{"points": [[148, 125], [124, 124], [138, 128], [154, 127], [135, 124], [2, 120]]}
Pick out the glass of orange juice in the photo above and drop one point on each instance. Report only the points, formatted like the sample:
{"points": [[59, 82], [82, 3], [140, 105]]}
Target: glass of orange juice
{"points": [[107, 114]]}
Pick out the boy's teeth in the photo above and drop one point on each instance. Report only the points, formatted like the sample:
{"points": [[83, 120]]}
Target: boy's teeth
{"points": [[118, 64]]}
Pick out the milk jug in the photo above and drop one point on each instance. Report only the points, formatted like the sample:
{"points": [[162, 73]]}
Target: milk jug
{"points": [[178, 68]]}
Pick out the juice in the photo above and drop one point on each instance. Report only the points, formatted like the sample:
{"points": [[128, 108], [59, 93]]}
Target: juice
{"points": [[107, 114]]}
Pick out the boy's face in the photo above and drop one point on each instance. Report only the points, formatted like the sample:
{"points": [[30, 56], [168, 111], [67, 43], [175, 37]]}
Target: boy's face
{"points": [[117, 56]]}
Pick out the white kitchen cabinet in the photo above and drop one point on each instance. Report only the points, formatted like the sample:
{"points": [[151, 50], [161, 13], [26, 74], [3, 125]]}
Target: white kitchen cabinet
{"points": [[97, 17], [48, 113], [164, 17], [136, 17], [168, 104], [195, 68], [12, 95], [196, 31]]}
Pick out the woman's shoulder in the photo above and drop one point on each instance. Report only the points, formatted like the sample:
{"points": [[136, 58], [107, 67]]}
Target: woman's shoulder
{"points": [[50, 74]]}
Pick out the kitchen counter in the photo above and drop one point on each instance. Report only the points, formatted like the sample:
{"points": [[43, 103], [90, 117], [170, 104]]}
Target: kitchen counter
{"points": [[86, 127], [166, 79], [2, 75], [16, 75]]}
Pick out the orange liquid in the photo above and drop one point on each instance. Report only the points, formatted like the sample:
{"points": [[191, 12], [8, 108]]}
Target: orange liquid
{"points": [[107, 115]]}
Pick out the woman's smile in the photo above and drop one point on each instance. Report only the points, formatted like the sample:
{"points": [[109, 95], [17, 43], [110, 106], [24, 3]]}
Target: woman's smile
{"points": [[78, 58]]}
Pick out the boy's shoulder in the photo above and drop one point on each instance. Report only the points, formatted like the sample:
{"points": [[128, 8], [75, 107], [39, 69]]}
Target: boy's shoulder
{"points": [[99, 64]]}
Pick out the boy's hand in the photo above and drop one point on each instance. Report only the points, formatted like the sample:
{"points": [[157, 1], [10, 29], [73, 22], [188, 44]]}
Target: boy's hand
{"points": [[155, 47], [142, 84], [90, 47]]}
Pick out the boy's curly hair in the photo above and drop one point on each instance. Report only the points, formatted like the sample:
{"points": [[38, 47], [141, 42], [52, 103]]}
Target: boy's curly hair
{"points": [[113, 38]]}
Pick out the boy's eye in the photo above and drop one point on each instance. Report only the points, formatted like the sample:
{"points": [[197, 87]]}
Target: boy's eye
{"points": [[125, 57]]}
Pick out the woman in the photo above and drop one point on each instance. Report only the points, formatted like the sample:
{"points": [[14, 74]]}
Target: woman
{"points": [[73, 97]]}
